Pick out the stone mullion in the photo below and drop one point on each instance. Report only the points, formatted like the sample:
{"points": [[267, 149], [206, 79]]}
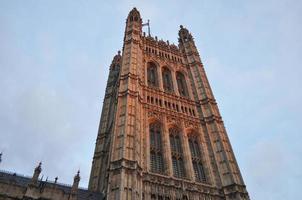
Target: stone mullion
{"points": [[147, 142], [175, 86], [160, 80], [166, 148], [187, 155]]}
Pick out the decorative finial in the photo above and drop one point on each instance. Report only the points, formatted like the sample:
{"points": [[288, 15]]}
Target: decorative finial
{"points": [[119, 52], [56, 179], [77, 176], [75, 184], [181, 26], [38, 169]]}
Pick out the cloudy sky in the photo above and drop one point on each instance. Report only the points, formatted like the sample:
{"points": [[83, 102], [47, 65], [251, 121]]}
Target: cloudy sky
{"points": [[54, 61]]}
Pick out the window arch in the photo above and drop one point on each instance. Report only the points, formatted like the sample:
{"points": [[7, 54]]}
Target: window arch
{"points": [[156, 154], [196, 159], [176, 153], [152, 75], [167, 80], [182, 85]]}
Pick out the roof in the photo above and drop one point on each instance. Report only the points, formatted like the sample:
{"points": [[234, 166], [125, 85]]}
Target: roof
{"points": [[23, 181]]}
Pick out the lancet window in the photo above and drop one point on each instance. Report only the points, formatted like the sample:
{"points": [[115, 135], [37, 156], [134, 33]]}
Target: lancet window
{"points": [[167, 80], [196, 159], [156, 152], [182, 85], [176, 153], [152, 75]]}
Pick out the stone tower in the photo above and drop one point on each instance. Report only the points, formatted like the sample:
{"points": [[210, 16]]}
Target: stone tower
{"points": [[161, 135]]}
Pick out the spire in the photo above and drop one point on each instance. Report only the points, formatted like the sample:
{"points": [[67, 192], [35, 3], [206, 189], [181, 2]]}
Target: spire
{"points": [[36, 174], [116, 61], [134, 16], [76, 181], [39, 168], [133, 25]]}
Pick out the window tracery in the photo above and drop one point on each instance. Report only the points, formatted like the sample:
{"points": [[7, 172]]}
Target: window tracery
{"points": [[156, 154], [182, 85], [196, 159], [167, 80], [176, 153], [152, 75]]}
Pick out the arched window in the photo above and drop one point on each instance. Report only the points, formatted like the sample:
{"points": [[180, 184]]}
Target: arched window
{"points": [[196, 159], [182, 85], [176, 153], [156, 154], [152, 75], [167, 80]]}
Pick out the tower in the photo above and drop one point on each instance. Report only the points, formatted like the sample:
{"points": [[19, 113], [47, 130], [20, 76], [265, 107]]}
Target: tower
{"points": [[161, 135]]}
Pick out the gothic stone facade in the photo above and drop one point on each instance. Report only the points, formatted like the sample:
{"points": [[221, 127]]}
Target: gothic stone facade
{"points": [[18, 187], [161, 135]]}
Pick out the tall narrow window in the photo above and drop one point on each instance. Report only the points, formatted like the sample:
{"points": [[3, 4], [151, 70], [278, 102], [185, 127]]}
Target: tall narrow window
{"points": [[181, 83], [156, 155], [176, 153], [152, 75], [167, 80], [196, 159]]}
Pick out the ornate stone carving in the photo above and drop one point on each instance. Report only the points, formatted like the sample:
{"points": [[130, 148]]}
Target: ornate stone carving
{"points": [[155, 115]]}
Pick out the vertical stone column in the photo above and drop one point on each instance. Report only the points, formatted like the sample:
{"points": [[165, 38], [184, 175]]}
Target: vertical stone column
{"points": [[147, 143], [175, 86], [189, 87], [160, 79], [167, 149], [205, 159], [187, 155]]}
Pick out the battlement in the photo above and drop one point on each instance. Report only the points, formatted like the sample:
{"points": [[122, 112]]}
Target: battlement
{"points": [[161, 48], [165, 45]]}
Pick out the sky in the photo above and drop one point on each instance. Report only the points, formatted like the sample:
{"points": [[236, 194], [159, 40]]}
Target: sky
{"points": [[54, 63]]}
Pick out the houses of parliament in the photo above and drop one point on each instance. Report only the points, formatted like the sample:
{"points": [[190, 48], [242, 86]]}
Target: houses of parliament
{"points": [[161, 136]]}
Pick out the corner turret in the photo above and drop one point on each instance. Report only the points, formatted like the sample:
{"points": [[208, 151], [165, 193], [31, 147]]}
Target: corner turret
{"points": [[38, 169], [134, 24], [76, 181], [184, 35], [134, 16]]}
